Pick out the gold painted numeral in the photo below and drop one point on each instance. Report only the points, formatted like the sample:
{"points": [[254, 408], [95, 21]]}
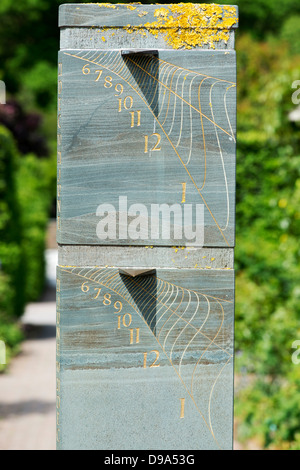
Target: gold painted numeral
{"points": [[118, 306], [85, 287], [182, 405], [132, 113], [137, 335], [99, 72], [156, 147], [86, 69], [108, 82], [154, 364], [127, 103], [119, 89], [106, 299], [183, 192], [126, 320]]}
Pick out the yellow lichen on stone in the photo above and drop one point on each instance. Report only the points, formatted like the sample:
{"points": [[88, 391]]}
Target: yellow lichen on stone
{"points": [[106, 5], [189, 25]]}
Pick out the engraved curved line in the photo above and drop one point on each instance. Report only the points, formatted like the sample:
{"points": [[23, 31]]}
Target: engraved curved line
{"points": [[169, 99], [186, 321], [209, 345], [179, 304], [181, 120], [226, 111], [190, 342], [165, 92], [198, 73], [181, 116], [164, 312], [203, 135], [191, 123], [192, 179], [181, 98], [207, 295], [182, 355], [217, 300], [198, 331], [192, 398], [174, 106], [211, 394], [154, 302], [192, 381], [163, 305], [223, 164], [148, 283], [187, 306]]}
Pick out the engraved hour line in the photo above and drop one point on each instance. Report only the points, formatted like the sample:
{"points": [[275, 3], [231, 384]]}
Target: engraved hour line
{"points": [[180, 97], [187, 322], [175, 150], [222, 160], [224, 171], [170, 329], [138, 286], [189, 72], [192, 398], [221, 155], [217, 333], [170, 90]]}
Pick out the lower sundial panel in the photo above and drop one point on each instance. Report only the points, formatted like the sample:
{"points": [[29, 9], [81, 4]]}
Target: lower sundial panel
{"points": [[145, 362]]}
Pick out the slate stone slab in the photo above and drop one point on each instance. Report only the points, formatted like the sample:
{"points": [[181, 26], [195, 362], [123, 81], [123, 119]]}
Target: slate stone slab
{"points": [[151, 130], [145, 362], [146, 227]]}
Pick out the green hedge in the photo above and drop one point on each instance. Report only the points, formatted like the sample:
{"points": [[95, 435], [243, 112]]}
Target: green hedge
{"points": [[27, 188], [36, 188]]}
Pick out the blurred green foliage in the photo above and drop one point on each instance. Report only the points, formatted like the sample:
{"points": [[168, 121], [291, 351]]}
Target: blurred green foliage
{"points": [[268, 252], [268, 199], [26, 192]]}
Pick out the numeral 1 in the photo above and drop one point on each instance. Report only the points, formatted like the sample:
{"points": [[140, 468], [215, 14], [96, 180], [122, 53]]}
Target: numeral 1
{"points": [[183, 192], [182, 404]]}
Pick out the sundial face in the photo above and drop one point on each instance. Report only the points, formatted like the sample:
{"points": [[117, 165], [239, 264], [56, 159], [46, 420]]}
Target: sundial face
{"points": [[148, 352], [145, 226], [147, 129]]}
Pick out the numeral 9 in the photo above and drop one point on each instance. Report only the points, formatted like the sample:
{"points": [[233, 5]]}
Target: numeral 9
{"points": [[118, 306], [119, 89]]}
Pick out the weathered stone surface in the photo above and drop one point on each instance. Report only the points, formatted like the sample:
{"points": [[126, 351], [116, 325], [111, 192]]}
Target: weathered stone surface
{"points": [[145, 362], [150, 130], [145, 315]]}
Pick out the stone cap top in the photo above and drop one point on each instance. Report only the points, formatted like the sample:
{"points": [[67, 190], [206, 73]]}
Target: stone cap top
{"points": [[136, 15]]}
